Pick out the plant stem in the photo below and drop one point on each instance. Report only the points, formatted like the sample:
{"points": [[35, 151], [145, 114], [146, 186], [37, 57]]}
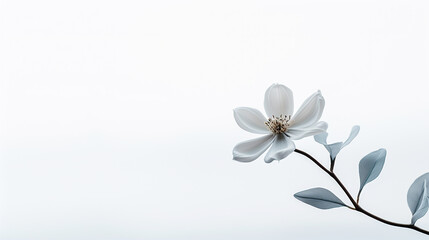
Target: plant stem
{"points": [[358, 196], [357, 207], [332, 165]]}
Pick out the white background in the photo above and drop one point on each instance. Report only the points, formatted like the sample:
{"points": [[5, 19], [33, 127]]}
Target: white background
{"points": [[116, 117]]}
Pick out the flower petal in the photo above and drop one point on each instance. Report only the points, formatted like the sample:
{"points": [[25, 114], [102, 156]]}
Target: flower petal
{"points": [[250, 120], [250, 150], [278, 100], [353, 134], [280, 149], [309, 112], [298, 133]]}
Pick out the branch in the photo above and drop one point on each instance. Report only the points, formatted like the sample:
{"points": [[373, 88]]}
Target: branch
{"points": [[357, 207]]}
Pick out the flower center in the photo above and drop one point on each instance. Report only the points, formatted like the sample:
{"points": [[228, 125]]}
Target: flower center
{"points": [[278, 124]]}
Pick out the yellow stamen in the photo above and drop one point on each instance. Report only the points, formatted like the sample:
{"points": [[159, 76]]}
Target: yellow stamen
{"points": [[278, 124]]}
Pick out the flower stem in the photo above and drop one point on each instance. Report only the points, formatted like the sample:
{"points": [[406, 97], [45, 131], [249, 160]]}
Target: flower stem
{"points": [[357, 207]]}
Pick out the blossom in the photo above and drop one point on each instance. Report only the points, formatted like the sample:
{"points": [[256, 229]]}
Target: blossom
{"points": [[281, 127]]}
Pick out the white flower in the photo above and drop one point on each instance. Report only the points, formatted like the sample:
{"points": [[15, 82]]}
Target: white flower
{"points": [[281, 127]]}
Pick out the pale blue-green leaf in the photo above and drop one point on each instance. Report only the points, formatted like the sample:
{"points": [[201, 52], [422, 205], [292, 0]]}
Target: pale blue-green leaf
{"points": [[353, 134], [370, 166], [319, 198], [417, 198], [321, 138], [423, 205], [334, 149]]}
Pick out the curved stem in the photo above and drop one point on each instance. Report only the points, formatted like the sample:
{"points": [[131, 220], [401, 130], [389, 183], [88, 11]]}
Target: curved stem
{"points": [[357, 207]]}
